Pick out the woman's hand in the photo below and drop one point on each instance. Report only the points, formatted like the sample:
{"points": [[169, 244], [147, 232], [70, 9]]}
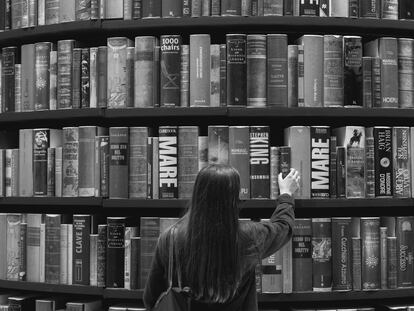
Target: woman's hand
{"points": [[290, 184]]}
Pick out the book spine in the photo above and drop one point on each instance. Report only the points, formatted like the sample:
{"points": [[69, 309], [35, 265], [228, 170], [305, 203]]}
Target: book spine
{"points": [[58, 171], [256, 70], [383, 257], [102, 73], [127, 263], [171, 8], [149, 232], [392, 263], [95, 9], [114, 9], [376, 82], [218, 144], [151, 8], [115, 253], [277, 70], [406, 9], [170, 59], [215, 75], [81, 249], [53, 80], [52, 249], [76, 76], [332, 168], [67, 10], [339, 8], [14, 172], [150, 166], [64, 254], [272, 281], [406, 72], [353, 9], [203, 142], [32, 15], [104, 153], [185, 76], [239, 156], [2, 172], [69, 266], [127, 5], [101, 255], [200, 70], [309, 8], [302, 255], [370, 238], [301, 77], [168, 162], [405, 237], [135, 261], [155, 186], [324, 8], [370, 8], [223, 75], [8, 15], [130, 76], [145, 82], [138, 172], [33, 247], [401, 150], [230, 8], [341, 254], [388, 52], [51, 11], [383, 161], [118, 163], [292, 84], [273, 8], [320, 136], [70, 162], [93, 77], [195, 8], [356, 264], [7, 173], [9, 59], [340, 172], [236, 69], [18, 88], [13, 249], [274, 172], [321, 254], [51, 160], [65, 60], [25, 163], [85, 78], [41, 142], [28, 77], [246, 7], [353, 86], [259, 162], [42, 257], [367, 82], [370, 167], [42, 68], [333, 71], [284, 160], [86, 161], [22, 246], [186, 8], [206, 7], [93, 260], [389, 9], [187, 160]]}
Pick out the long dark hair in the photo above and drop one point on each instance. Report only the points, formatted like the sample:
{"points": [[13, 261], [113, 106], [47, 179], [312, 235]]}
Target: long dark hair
{"points": [[211, 253]]}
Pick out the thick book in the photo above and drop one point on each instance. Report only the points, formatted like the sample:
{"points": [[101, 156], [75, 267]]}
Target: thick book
{"points": [[401, 151], [42, 68], [170, 58], [236, 69], [321, 254], [376, 82], [389, 9], [298, 139], [256, 65], [223, 75], [118, 162], [406, 9], [370, 8], [9, 59], [367, 96], [313, 69], [301, 76], [370, 253], [18, 88], [168, 162], [239, 156], [70, 161], [338, 8], [13, 249], [64, 253], [101, 255], [83, 10], [52, 248], [22, 246], [80, 249], [151, 8], [320, 162], [353, 84], [85, 78], [171, 8], [138, 172], [215, 75], [65, 78], [370, 167], [28, 77], [230, 8], [53, 80], [302, 255], [200, 70], [33, 247], [203, 152], [356, 264], [333, 167], [149, 232], [102, 74], [155, 186], [292, 83], [273, 8], [42, 252], [259, 162], [218, 144], [406, 72], [333, 71], [187, 160], [277, 70], [115, 257], [185, 76], [392, 262], [51, 183], [272, 273], [52, 11], [285, 156], [274, 172], [103, 183], [383, 257], [25, 162], [135, 262], [58, 171], [341, 254], [405, 237]]}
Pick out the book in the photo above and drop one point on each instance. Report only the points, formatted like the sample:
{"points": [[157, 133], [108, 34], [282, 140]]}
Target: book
{"points": [[118, 162], [271, 273], [28, 77], [135, 262], [9, 59], [214, 75], [25, 162], [218, 144], [151, 8], [81, 249], [333, 170], [115, 257], [320, 136], [202, 152], [67, 10], [83, 10], [333, 71], [138, 173], [259, 162], [370, 167], [170, 58], [168, 162], [302, 255], [370, 9], [274, 172], [101, 255], [13, 222], [52, 248], [53, 80], [341, 254], [155, 186], [33, 247], [200, 65], [236, 46], [93, 77], [353, 83], [150, 165], [70, 161], [114, 9], [389, 9], [356, 263], [339, 8], [65, 78], [392, 262], [284, 160], [383, 257], [277, 70], [85, 78], [51, 183], [370, 253], [18, 88], [185, 76], [309, 8], [51, 12], [405, 72], [406, 9], [321, 254], [102, 74], [239, 157], [256, 65], [171, 8], [292, 83], [42, 68], [187, 160], [401, 150], [376, 82], [405, 236], [367, 100], [230, 8]]}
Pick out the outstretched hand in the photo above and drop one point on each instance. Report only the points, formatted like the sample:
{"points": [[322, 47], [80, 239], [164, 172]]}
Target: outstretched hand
{"points": [[290, 183]]}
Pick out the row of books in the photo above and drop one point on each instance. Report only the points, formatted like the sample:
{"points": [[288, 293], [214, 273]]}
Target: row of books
{"points": [[249, 70], [23, 13]]}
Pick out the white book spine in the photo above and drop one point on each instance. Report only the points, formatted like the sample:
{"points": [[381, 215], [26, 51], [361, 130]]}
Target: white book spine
{"points": [[93, 277], [70, 253], [42, 253]]}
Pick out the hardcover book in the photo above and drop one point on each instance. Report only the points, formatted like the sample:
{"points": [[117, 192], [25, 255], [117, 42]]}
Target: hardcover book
{"points": [[149, 232], [292, 83], [406, 9], [405, 238], [256, 70], [236, 69], [52, 249], [259, 162], [118, 162], [302, 255], [309, 8], [239, 156], [170, 58], [215, 75], [28, 77], [401, 150], [138, 172], [70, 158], [370, 8], [151, 8], [218, 144], [321, 254], [406, 72], [185, 76], [187, 160], [9, 59], [42, 68], [277, 70], [320, 136], [230, 8], [370, 238], [115, 256], [200, 70], [65, 78], [172, 8], [333, 71], [367, 100], [168, 162], [341, 254], [353, 84], [81, 249]]}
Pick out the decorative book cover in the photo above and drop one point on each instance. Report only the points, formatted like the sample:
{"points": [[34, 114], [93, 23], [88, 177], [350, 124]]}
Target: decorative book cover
{"points": [[370, 167], [70, 156], [218, 144], [236, 69], [80, 250], [383, 160], [138, 172], [168, 162], [52, 249], [376, 82], [83, 10], [33, 247], [367, 100], [42, 69], [277, 70], [321, 254], [215, 75], [370, 250], [230, 8], [118, 162], [405, 250], [302, 255], [53, 80], [115, 257], [170, 58], [93, 78], [200, 65], [65, 61], [239, 156], [389, 9], [274, 172], [85, 78], [259, 162], [333, 71], [406, 72], [401, 150], [187, 160], [341, 254], [320, 136], [9, 59], [353, 84], [256, 70]]}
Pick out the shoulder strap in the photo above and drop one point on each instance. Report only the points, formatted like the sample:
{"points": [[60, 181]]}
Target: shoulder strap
{"points": [[171, 257]]}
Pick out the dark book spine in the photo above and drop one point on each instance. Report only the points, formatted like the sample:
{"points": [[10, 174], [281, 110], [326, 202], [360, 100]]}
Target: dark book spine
{"points": [[137, 9], [324, 8], [353, 86], [51, 159], [149, 232], [356, 264], [8, 17], [230, 8], [168, 162], [320, 136], [118, 163], [52, 249], [284, 160], [214, 75], [256, 70], [115, 252], [383, 161], [370, 8], [376, 82], [302, 255], [353, 8], [389, 9], [65, 60], [340, 172], [170, 60], [9, 59], [104, 165], [301, 77], [383, 257], [186, 8], [101, 255], [341, 254], [41, 141], [135, 262], [53, 81], [370, 167], [388, 51], [367, 82], [292, 83], [332, 167], [102, 73], [309, 8], [2, 15], [150, 168], [130, 73], [70, 155], [406, 72], [274, 172], [406, 9], [172, 8], [239, 157], [185, 76], [287, 7], [392, 263], [277, 70], [76, 78], [333, 71], [86, 151], [200, 67], [151, 8], [405, 250], [85, 81], [370, 250], [42, 67], [321, 254], [138, 173], [95, 7], [401, 162], [23, 254], [236, 69], [187, 160], [223, 75], [81, 246], [259, 162]]}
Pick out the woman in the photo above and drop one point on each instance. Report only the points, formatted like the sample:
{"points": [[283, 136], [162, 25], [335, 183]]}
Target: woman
{"points": [[216, 253]]}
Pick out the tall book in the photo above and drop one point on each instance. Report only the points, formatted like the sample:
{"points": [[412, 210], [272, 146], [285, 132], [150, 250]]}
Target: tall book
{"points": [[313, 69], [302, 255], [333, 71], [117, 72], [42, 68], [370, 9], [33, 247], [170, 59], [256, 70], [52, 248], [53, 80], [389, 9], [353, 86], [135, 262], [50, 176], [26, 162], [28, 77], [392, 262], [370, 251], [83, 10], [332, 167], [406, 9], [185, 76], [277, 70], [376, 82], [320, 136], [65, 60], [322, 254], [64, 253], [187, 160], [67, 10], [341, 254], [155, 186], [405, 238], [51, 12], [274, 172], [9, 59], [239, 157], [93, 77], [172, 8], [102, 74], [292, 83], [146, 79], [101, 254], [370, 166], [70, 161], [215, 75], [401, 150], [168, 162], [13, 249], [271, 274], [367, 100], [118, 162], [259, 162], [85, 78], [80, 249], [149, 232], [236, 69], [200, 70], [114, 9], [138, 172], [406, 72], [309, 8], [218, 144], [383, 257], [230, 8], [115, 257], [151, 8]]}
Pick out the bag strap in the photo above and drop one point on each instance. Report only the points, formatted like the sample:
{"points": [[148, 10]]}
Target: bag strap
{"points": [[171, 258]]}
